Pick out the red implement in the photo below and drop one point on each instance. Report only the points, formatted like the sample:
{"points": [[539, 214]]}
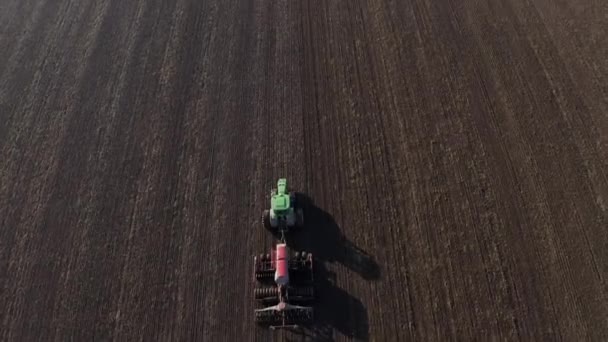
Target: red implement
{"points": [[281, 276]]}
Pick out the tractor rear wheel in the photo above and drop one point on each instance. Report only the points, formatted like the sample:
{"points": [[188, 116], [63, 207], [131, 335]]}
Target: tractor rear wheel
{"points": [[293, 199], [266, 220], [299, 218]]}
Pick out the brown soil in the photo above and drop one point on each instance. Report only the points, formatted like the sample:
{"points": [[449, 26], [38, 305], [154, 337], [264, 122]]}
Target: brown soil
{"points": [[455, 154]]}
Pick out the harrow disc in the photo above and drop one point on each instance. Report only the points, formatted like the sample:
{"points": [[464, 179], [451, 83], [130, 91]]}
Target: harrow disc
{"points": [[266, 292]]}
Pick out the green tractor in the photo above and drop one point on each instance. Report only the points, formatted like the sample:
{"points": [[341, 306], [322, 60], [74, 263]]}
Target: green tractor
{"points": [[284, 212]]}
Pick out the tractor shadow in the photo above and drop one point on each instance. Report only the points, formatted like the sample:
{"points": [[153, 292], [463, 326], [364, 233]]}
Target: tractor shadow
{"points": [[322, 236], [335, 308]]}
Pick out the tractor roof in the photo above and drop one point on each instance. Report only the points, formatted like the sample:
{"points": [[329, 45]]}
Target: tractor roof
{"points": [[280, 202]]}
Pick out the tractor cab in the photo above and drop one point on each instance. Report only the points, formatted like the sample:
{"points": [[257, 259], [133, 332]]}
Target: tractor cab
{"points": [[281, 202]]}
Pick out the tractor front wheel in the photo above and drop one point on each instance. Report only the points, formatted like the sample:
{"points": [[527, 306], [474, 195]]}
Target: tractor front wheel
{"points": [[266, 220], [293, 199]]}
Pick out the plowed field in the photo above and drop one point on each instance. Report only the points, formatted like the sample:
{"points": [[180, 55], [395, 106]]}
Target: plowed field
{"points": [[455, 154]]}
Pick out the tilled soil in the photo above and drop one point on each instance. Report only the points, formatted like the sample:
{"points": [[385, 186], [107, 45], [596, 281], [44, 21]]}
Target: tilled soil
{"points": [[455, 156]]}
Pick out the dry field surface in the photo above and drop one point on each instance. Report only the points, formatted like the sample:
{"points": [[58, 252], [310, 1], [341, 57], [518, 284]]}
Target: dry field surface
{"points": [[455, 154]]}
